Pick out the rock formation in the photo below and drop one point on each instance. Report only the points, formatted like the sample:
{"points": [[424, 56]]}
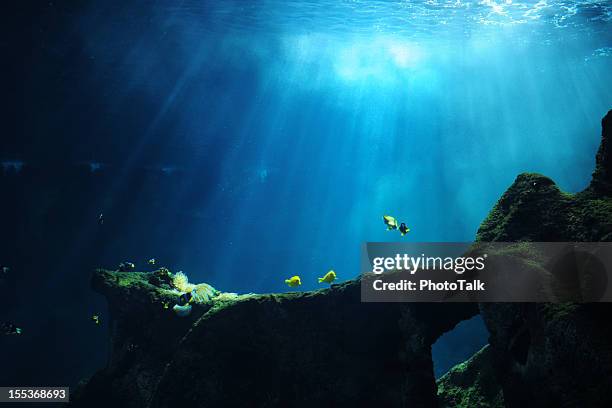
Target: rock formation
{"points": [[323, 348], [553, 355], [471, 384]]}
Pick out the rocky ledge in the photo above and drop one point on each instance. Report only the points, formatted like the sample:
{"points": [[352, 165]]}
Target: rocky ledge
{"points": [[328, 349], [323, 348]]}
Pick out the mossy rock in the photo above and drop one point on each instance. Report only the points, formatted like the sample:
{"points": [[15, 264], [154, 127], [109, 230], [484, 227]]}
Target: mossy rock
{"points": [[471, 384]]}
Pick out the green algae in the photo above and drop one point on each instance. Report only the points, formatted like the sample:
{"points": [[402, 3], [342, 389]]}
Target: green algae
{"points": [[559, 311], [471, 384], [535, 209], [134, 283]]}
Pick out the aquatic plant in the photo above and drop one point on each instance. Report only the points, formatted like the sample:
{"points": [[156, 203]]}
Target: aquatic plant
{"points": [[199, 293], [202, 293], [181, 282]]}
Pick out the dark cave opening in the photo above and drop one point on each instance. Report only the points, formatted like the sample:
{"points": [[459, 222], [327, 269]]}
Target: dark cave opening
{"points": [[458, 344]]}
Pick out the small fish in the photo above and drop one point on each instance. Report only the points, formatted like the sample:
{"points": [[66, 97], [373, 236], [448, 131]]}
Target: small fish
{"points": [[185, 298], [10, 328], [152, 261], [328, 278], [96, 319], [166, 305], [403, 229], [101, 219], [390, 222], [5, 271], [126, 266], [293, 281], [182, 311]]}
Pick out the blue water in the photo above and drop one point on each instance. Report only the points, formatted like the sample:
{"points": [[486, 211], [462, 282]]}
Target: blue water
{"points": [[297, 125]]}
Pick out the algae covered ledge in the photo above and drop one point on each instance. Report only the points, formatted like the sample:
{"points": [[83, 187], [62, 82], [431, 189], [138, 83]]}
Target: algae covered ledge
{"points": [[322, 347]]}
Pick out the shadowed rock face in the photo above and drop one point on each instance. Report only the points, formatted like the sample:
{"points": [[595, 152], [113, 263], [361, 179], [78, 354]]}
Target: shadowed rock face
{"points": [[602, 176], [553, 355], [323, 348], [143, 337]]}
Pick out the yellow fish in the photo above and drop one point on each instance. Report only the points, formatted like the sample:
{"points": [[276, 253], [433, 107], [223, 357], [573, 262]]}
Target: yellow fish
{"points": [[152, 261], [166, 305], [96, 319], [329, 277], [404, 229], [390, 222], [293, 281]]}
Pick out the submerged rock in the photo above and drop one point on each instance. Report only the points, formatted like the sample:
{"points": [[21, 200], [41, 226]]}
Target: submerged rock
{"points": [[143, 336], [553, 355], [323, 348], [471, 384], [601, 184]]}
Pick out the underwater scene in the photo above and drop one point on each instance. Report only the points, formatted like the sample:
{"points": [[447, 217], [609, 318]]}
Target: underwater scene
{"points": [[187, 187]]}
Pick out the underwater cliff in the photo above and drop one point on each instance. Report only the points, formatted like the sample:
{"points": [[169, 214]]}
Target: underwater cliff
{"points": [[327, 348]]}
